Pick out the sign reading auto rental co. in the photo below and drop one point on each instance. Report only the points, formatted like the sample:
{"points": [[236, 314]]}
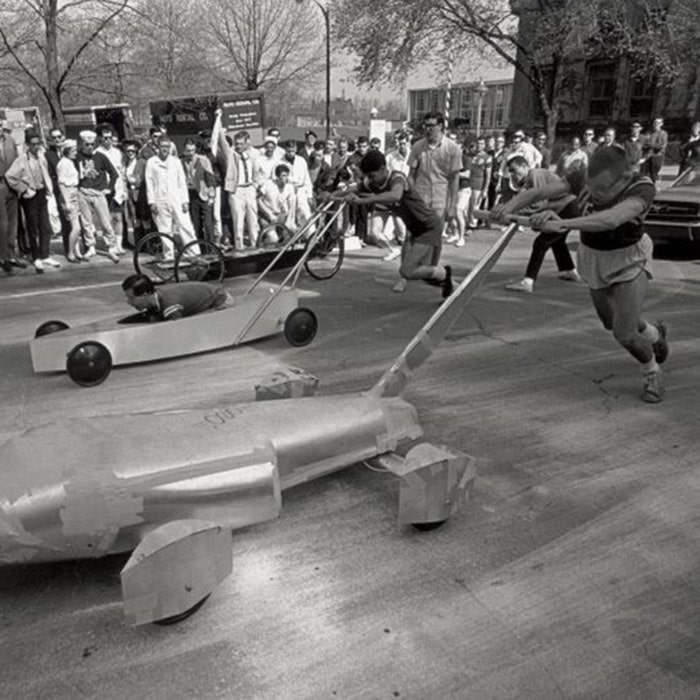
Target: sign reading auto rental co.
{"points": [[184, 117]]}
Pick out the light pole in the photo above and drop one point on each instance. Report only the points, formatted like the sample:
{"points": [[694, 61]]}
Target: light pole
{"points": [[481, 91], [327, 20]]}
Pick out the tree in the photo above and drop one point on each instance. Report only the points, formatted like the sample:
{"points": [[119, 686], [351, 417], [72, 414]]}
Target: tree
{"points": [[559, 33], [264, 42], [45, 41]]}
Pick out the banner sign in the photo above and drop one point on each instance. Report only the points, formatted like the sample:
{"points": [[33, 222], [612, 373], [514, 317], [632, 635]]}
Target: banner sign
{"points": [[184, 117]]}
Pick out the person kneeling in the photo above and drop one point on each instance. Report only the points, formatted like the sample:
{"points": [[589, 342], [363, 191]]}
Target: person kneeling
{"points": [[172, 301]]}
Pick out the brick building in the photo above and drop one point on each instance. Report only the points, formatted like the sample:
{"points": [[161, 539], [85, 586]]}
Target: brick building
{"points": [[602, 91]]}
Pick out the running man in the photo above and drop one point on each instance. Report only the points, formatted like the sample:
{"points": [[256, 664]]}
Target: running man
{"points": [[172, 301], [615, 255], [420, 253]]}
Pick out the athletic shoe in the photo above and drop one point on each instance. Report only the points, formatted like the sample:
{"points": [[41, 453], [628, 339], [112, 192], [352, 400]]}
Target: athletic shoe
{"points": [[459, 243], [570, 276], [447, 286], [392, 255], [660, 347], [51, 262], [653, 391], [452, 238], [113, 255], [38, 267], [15, 262], [400, 286], [523, 285], [91, 252]]}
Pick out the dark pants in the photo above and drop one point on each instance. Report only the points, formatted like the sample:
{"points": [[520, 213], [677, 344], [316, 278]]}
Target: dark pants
{"points": [[36, 220], [358, 216], [652, 166], [541, 244], [66, 228], [8, 222], [202, 216]]}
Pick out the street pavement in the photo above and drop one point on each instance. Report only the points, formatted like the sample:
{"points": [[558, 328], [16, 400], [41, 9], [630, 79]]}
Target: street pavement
{"points": [[573, 572]]}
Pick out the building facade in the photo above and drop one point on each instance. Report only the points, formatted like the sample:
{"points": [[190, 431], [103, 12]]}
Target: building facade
{"points": [[465, 100], [602, 91]]}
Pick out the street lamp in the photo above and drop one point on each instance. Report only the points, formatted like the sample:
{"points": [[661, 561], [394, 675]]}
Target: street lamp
{"points": [[481, 91], [327, 20]]}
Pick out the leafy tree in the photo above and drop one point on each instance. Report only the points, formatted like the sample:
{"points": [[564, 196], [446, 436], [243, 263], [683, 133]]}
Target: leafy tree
{"points": [[394, 36]]}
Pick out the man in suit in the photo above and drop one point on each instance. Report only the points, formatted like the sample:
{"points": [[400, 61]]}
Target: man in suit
{"points": [[244, 175], [8, 205], [201, 185]]}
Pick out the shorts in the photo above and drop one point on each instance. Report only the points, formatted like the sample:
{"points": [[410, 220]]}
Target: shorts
{"points": [[604, 268]]}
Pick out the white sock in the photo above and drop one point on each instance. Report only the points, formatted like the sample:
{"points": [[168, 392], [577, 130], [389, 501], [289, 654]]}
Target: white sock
{"points": [[650, 333], [650, 366]]}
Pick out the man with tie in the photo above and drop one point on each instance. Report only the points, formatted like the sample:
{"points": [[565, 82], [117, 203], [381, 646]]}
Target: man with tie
{"points": [[244, 175]]}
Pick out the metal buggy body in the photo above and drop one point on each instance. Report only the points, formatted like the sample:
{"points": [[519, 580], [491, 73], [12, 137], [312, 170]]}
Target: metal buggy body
{"points": [[88, 352]]}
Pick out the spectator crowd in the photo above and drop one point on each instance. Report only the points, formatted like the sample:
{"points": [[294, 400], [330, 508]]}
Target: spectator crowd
{"points": [[98, 195]]}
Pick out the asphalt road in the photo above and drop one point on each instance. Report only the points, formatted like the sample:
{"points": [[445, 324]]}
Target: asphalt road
{"points": [[573, 572]]}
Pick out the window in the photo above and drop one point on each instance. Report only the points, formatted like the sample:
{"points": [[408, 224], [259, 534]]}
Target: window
{"points": [[601, 85], [642, 99]]}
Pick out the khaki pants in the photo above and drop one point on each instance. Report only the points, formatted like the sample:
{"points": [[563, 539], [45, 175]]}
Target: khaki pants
{"points": [[95, 210]]}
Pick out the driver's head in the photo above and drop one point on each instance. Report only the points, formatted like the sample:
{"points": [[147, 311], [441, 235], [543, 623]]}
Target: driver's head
{"points": [[140, 292], [609, 172]]}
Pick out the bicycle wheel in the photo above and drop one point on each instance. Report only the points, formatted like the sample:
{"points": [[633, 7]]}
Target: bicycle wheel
{"points": [[154, 257], [200, 261], [326, 257]]}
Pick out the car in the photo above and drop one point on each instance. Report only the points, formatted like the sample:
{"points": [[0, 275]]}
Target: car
{"points": [[89, 351], [674, 215]]}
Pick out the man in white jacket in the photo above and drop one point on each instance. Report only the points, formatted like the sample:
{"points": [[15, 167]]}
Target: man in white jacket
{"points": [[168, 198]]}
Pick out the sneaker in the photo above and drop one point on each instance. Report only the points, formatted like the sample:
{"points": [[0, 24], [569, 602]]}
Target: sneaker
{"points": [[51, 262], [392, 255], [38, 267], [459, 243], [524, 285], [570, 276], [113, 255], [91, 252], [400, 286], [447, 286], [653, 391], [452, 238], [660, 347]]}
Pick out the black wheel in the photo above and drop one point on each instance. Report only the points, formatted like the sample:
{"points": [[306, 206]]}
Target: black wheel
{"points": [[174, 619], [427, 527], [300, 327], [89, 363], [326, 256], [154, 257], [200, 261], [48, 327]]}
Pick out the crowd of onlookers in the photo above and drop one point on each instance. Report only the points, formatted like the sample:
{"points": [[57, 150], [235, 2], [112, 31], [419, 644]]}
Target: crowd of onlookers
{"points": [[222, 189]]}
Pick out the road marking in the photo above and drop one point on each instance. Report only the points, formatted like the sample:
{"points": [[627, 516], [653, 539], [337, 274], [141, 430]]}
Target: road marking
{"points": [[58, 290]]}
